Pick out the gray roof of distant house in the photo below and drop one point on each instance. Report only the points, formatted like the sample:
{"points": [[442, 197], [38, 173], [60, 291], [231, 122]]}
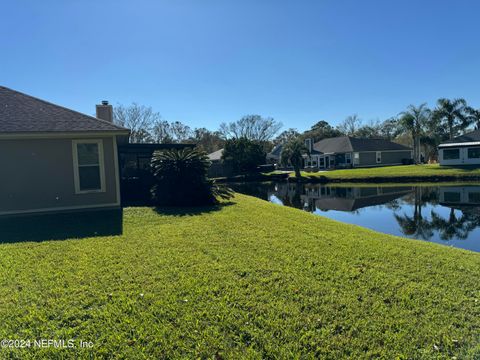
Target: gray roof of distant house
{"points": [[276, 151], [21, 113], [217, 155], [471, 138], [350, 144]]}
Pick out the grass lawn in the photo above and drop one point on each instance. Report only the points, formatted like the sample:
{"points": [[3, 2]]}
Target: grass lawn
{"points": [[246, 280], [400, 171]]}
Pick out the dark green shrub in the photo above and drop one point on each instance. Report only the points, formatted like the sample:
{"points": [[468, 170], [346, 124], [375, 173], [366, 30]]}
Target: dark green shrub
{"points": [[243, 154], [181, 179]]}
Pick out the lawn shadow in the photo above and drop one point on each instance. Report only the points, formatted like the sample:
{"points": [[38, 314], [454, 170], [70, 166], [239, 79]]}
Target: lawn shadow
{"points": [[191, 210], [61, 226], [466, 168]]}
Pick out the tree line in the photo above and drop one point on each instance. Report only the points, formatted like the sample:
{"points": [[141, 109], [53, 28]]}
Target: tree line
{"points": [[419, 126]]}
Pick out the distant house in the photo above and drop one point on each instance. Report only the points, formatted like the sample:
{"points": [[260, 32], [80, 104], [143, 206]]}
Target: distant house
{"points": [[459, 196], [56, 159], [462, 150], [273, 157], [351, 199], [346, 152], [216, 156], [219, 168]]}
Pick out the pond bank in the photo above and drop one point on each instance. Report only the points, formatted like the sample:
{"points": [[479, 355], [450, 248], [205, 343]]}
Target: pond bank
{"points": [[445, 213], [401, 173]]}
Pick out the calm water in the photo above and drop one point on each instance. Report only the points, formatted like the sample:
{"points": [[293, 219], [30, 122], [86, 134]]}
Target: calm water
{"points": [[448, 215]]}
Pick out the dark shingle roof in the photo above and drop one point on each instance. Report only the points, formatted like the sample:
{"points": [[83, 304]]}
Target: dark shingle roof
{"points": [[21, 113], [473, 136], [349, 144]]}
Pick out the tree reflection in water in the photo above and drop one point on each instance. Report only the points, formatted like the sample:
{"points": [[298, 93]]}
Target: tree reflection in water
{"points": [[414, 211], [455, 227]]}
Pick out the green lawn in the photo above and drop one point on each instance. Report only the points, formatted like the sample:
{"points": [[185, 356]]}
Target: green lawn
{"points": [[246, 280], [400, 171]]}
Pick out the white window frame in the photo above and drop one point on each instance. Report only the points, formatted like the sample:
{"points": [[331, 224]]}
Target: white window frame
{"points": [[356, 158], [378, 155], [101, 165], [348, 158]]}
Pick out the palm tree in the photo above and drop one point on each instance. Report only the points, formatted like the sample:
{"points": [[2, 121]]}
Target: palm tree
{"points": [[452, 114], [413, 120], [416, 225], [180, 179], [474, 117], [292, 153], [451, 228]]}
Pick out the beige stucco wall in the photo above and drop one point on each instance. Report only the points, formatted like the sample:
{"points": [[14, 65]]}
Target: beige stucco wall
{"points": [[37, 174]]}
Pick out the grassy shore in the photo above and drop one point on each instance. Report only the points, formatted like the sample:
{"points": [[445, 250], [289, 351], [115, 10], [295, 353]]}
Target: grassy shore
{"points": [[245, 280], [400, 172]]}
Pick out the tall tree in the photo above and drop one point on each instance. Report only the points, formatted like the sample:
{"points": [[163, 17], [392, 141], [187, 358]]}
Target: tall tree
{"points": [[321, 130], [452, 114], [292, 154], [350, 125], [413, 121], [162, 132], [251, 127], [389, 129], [474, 117], [368, 131], [243, 154], [286, 136], [206, 140], [180, 131], [139, 119]]}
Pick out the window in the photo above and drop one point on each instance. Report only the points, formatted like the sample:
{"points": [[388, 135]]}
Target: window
{"points": [[378, 156], [473, 153], [356, 158], [451, 154], [89, 171], [474, 197], [451, 196], [348, 158], [322, 162]]}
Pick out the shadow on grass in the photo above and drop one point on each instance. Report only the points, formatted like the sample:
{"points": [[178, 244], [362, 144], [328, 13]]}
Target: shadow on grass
{"points": [[465, 168], [62, 226], [191, 211]]}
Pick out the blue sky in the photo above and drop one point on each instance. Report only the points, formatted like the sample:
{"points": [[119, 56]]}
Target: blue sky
{"points": [[203, 61]]}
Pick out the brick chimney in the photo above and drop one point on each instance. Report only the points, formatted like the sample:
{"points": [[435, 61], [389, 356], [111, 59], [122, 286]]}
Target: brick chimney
{"points": [[105, 111]]}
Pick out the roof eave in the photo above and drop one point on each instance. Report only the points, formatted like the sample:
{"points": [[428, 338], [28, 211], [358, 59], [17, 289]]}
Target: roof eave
{"points": [[58, 134]]}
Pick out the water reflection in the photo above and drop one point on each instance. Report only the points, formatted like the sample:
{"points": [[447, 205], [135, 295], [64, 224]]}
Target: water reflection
{"points": [[444, 214]]}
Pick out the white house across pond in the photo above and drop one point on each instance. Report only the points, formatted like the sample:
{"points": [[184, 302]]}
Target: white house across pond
{"points": [[462, 150]]}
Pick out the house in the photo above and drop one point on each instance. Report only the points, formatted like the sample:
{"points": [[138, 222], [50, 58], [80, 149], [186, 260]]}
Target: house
{"points": [[216, 156], [459, 196], [219, 168], [55, 159], [274, 156], [462, 150], [349, 198], [346, 152]]}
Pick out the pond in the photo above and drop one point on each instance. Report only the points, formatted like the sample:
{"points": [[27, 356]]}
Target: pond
{"points": [[448, 215]]}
